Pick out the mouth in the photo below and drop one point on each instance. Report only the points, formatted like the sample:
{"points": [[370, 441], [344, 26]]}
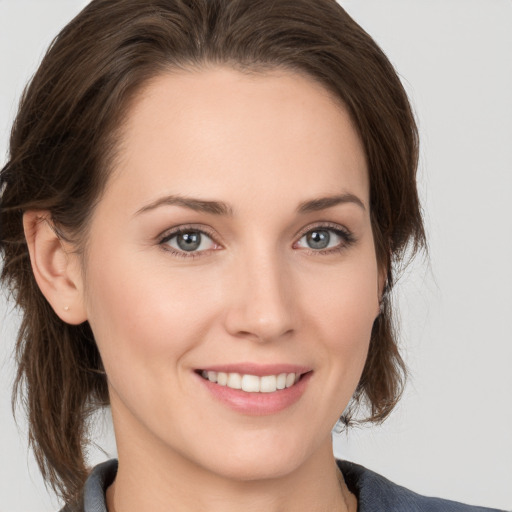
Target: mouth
{"points": [[254, 389], [253, 383]]}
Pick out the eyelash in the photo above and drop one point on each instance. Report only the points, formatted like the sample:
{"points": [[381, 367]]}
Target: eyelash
{"points": [[169, 235], [347, 237]]}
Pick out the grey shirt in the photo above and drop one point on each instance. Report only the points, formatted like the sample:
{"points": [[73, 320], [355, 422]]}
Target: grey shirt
{"points": [[374, 493]]}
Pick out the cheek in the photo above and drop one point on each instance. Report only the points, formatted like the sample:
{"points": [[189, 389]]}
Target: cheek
{"points": [[145, 320], [342, 308], [350, 325], [345, 298]]}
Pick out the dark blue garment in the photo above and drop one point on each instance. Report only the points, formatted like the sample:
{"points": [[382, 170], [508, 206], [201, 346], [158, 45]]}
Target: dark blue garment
{"points": [[377, 494], [374, 493]]}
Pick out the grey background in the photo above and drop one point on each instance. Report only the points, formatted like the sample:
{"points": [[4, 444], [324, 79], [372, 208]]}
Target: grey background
{"points": [[451, 435]]}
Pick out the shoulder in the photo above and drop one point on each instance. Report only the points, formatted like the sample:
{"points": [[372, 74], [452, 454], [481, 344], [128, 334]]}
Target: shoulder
{"points": [[377, 494], [93, 495]]}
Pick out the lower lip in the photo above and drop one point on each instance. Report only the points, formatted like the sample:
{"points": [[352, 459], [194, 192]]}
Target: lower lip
{"points": [[257, 404]]}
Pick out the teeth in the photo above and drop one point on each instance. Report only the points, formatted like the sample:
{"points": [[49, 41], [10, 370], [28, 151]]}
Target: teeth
{"points": [[253, 383], [234, 381], [268, 384], [290, 380]]}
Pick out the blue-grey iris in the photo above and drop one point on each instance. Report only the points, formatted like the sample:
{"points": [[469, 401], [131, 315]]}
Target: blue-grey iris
{"points": [[189, 241], [318, 239]]}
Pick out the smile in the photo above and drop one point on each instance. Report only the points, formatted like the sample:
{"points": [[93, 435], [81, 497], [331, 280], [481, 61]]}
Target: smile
{"points": [[252, 383]]}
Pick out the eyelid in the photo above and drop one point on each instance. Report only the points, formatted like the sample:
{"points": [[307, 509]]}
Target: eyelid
{"points": [[327, 225], [340, 230], [183, 228], [170, 233]]}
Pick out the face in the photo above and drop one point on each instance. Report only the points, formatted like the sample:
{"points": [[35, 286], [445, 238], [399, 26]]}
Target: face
{"points": [[233, 247]]}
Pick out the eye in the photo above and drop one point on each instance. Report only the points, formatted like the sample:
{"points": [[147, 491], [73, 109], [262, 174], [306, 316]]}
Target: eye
{"points": [[188, 241], [325, 238]]}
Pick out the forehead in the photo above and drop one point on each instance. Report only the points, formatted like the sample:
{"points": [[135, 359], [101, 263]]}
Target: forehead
{"points": [[217, 130]]}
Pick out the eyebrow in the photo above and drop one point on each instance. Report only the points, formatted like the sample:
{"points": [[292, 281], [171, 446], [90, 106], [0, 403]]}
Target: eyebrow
{"points": [[199, 205], [221, 208], [322, 203]]}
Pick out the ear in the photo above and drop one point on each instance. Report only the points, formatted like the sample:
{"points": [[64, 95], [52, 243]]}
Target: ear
{"points": [[56, 268]]}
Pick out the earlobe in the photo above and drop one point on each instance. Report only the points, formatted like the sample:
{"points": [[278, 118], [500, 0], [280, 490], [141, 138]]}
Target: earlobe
{"points": [[55, 267]]}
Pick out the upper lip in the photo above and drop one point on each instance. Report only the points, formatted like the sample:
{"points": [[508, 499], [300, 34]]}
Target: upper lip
{"points": [[258, 370]]}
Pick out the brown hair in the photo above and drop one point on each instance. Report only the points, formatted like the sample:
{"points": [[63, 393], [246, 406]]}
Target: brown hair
{"points": [[64, 139]]}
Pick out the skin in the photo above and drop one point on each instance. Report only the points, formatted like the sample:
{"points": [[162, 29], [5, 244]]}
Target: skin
{"points": [[263, 144]]}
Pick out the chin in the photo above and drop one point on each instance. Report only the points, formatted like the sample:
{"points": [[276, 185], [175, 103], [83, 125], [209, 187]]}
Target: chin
{"points": [[246, 468], [261, 458]]}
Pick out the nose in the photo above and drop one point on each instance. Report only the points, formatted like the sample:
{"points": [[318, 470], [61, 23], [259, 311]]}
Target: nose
{"points": [[261, 300]]}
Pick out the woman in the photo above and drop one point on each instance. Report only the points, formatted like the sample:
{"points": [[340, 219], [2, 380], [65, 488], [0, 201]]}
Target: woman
{"points": [[212, 197]]}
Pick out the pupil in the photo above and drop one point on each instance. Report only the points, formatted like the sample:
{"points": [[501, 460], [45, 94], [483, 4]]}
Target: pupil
{"points": [[318, 239], [189, 241]]}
